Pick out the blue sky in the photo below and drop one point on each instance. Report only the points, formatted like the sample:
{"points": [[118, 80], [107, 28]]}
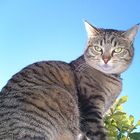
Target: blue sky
{"points": [[35, 30]]}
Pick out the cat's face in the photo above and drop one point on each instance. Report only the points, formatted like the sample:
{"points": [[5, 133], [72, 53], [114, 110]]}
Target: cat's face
{"points": [[109, 51]]}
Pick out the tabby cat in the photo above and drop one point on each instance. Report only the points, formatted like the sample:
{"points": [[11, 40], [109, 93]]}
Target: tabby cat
{"points": [[53, 100]]}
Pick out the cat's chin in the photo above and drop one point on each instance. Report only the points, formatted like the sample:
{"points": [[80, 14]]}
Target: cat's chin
{"points": [[105, 68]]}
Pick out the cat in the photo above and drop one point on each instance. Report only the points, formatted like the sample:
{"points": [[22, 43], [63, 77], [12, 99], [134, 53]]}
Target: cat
{"points": [[54, 100]]}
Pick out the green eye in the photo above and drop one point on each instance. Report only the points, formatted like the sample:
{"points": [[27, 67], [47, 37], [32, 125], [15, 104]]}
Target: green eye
{"points": [[118, 50], [97, 48]]}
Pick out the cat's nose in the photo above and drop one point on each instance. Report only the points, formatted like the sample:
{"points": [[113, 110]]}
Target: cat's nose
{"points": [[106, 59]]}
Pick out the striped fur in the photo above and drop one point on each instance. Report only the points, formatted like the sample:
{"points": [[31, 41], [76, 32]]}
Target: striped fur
{"points": [[40, 102], [97, 92], [53, 100]]}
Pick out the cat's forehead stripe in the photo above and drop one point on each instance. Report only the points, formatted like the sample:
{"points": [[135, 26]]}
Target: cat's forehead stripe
{"points": [[101, 42], [106, 39], [112, 39]]}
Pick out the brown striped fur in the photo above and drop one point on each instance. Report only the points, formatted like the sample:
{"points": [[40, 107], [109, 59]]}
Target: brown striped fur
{"points": [[53, 100], [40, 102]]}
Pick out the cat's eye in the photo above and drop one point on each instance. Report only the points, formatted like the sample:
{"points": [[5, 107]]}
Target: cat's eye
{"points": [[98, 49], [118, 50]]}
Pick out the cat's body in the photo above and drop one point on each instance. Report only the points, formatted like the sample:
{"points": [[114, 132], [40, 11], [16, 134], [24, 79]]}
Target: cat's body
{"points": [[40, 102], [53, 100]]}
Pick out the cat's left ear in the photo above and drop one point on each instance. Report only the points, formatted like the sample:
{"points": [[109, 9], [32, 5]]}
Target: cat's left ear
{"points": [[91, 30], [131, 33]]}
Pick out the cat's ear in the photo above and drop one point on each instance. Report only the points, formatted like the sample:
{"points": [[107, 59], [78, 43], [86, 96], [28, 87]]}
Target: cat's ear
{"points": [[131, 33], [91, 30]]}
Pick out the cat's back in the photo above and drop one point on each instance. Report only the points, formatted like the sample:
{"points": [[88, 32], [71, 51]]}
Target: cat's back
{"points": [[44, 73], [39, 102]]}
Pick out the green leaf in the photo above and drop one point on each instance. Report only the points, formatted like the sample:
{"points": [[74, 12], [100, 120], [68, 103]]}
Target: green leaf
{"points": [[135, 136], [122, 100], [119, 108], [138, 123], [131, 119], [119, 125], [120, 113]]}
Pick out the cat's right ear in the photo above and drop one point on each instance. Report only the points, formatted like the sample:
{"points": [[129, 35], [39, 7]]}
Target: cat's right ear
{"points": [[91, 30], [131, 33]]}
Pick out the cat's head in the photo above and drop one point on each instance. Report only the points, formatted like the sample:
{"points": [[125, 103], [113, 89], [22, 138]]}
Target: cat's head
{"points": [[109, 51]]}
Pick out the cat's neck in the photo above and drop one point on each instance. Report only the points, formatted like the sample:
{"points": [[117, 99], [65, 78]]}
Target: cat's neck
{"points": [[79, 65], [109, 83]]}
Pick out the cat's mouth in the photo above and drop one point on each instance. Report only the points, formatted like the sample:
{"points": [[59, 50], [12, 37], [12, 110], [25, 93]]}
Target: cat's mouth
{"points": [[105, 67]]}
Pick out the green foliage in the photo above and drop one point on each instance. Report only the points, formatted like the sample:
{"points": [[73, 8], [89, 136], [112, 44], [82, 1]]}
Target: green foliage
{"points": [[119, 125]]}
